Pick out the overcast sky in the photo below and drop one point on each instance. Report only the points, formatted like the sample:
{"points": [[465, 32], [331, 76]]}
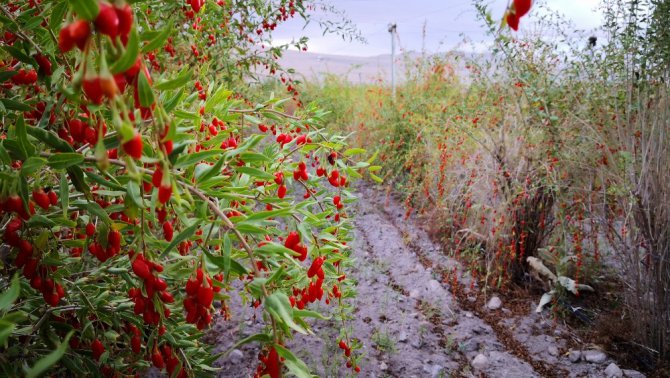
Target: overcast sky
{"points": [[445, 21]]}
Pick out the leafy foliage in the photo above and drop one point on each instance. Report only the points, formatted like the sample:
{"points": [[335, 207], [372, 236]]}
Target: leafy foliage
{"points": [[139, 184]]}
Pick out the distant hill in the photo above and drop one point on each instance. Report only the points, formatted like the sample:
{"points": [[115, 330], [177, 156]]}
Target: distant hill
{"points": [[313, 66]]}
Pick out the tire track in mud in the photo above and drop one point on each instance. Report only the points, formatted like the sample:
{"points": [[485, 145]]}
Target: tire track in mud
{"points": [[409, 321], [413, 274]]}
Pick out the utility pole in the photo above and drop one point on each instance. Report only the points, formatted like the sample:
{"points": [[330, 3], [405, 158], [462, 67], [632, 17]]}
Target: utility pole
{"points": [[392, 30]]}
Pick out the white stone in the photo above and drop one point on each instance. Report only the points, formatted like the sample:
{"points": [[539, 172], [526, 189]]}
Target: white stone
{"points": [[633, 374], [480, 362], [236, 356], [574, 356], [433, 285], [494, 303], [594, 356], [613, 371]]}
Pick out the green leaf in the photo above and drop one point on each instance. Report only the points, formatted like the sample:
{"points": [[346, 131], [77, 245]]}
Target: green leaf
{"points": [[220, 262], [22, 137], [77, 176], [65, 160], [185, 234], [376, 178], [39, 220], [18, 54], [190, 159], [15, 105], [64, 195], [295, 365], [6, 75], [6, 329], [276, 249], [211, 171], [9, 296], [57, 15], [263, 338], [145, 92], [227, 249], [94, 209], [50, 138], [353, 151], [268, 214], [50, 359], [178, 82], [86, 9], [218, 97], [280, 308], [32, 165], [158, 40], [129, 56], [253, 172], [134, 195], [309, 314]]}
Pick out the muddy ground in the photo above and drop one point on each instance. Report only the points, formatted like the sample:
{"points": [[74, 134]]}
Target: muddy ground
{"points": [[412, 323]]}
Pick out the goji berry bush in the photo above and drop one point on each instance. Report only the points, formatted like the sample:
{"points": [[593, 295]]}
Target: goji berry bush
{"points": [[547, 149], [141, 183]]}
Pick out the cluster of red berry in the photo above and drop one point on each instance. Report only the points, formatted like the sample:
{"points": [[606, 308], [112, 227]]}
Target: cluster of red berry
{"points": [[200, 294], [154, 287]]}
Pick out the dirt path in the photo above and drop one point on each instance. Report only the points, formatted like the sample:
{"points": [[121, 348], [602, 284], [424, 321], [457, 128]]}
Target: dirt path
{"points": [[410, 322]]}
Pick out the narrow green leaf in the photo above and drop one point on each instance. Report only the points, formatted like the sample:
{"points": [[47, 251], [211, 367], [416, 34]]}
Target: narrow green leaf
{"points": [[50, 359], [129, 56], [65, 160], [211, 171], [15, 105], [8, 297], [95, 210], [64, 194], [50, 138], [190, 159], [218, 97], [257, 173], [145, 92], [178, 82], [295, 365], [6, 329], [32, 165], [158, 40], [22, 137], [280, 308], [134, 195]]}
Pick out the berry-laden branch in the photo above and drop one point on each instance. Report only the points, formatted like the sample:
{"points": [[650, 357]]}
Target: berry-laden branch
{"points": [[110, 96]]}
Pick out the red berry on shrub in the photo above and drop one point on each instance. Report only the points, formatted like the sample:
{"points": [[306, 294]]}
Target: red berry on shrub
{"points": [[205, 295], [53, 198], [90, 229], [167, 231], [97, 349], [134, 146], [157, 177], [93, 90], [76, 33], [141, 268], [164, 193], [292, 240], [281, 192], [136, 344], [157, 359], [125, 16], [41, 199], [44, 63], [107, 21]]}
